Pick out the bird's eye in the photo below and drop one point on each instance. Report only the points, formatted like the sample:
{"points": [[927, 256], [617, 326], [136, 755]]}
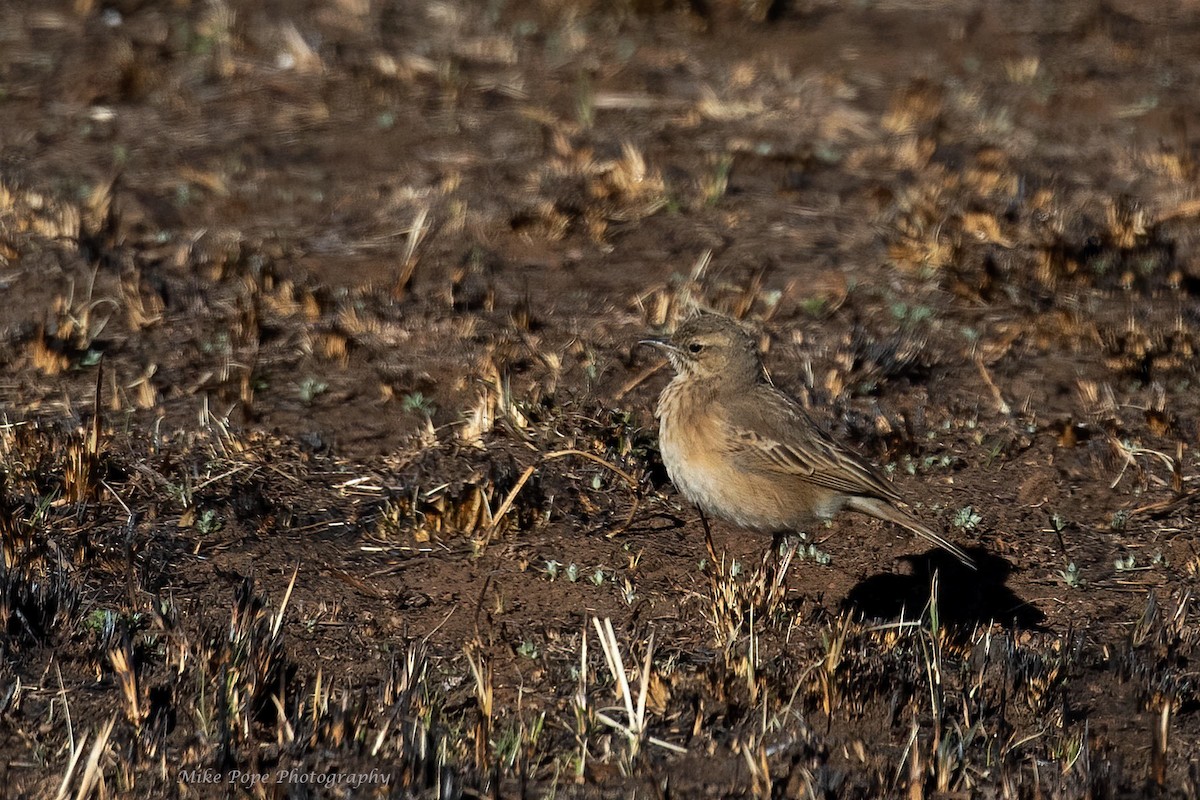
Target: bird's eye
{"points": [[695, 347]]}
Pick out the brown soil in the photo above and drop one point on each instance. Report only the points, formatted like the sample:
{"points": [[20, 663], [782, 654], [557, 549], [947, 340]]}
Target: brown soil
{"points": [[351, 294]]}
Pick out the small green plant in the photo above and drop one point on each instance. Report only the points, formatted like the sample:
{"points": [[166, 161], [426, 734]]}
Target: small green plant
{"points": [[1071, 576], [967, 518], [934, 462], [417, 403], [311, 389], [1119, 520], [911, 315], [1125, 563], [99, 620], [180, 493], [1059, 522], [627, 593], [41, 511], [551, 568], [717, 184], [572, 572], [103, 622], [815, 554], [507, 744], [209, 522], [597, 577], [995, 451], [527, 649]]}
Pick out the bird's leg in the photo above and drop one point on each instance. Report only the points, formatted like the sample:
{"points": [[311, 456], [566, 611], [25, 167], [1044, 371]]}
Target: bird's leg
{"points": [[718, 567]]}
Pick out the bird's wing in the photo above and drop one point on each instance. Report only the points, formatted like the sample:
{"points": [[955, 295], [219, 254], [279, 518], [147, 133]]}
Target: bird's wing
{"points": [[776, 435]]}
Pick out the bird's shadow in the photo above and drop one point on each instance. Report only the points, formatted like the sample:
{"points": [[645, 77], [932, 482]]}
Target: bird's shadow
{"points": [[965, 596]]}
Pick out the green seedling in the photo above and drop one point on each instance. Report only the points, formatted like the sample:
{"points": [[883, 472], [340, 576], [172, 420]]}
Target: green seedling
{"points": [[1071, 576], [966, 518], [311, 389]]}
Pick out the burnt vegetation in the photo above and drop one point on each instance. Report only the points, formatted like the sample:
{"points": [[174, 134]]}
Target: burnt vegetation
{"points": [[327, 450]]}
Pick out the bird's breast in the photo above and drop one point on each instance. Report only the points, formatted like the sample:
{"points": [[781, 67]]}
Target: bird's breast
{"points": [[692, 440]]}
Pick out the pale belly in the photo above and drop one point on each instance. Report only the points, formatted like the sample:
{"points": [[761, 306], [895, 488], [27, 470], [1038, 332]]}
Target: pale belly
{"points": [[704, 477]]}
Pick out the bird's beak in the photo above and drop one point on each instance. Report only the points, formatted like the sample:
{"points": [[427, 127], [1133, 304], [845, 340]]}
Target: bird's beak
{"points": [[661, 343]]}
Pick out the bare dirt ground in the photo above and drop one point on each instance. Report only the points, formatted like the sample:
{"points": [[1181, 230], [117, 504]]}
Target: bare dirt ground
{"points": [[326, 447]]}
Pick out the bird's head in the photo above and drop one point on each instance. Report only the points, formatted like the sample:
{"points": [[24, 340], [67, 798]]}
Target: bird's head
{"points": [[712, 346]]}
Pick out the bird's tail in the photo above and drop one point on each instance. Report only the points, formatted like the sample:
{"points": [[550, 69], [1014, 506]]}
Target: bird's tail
{"points": [[882, 509]]}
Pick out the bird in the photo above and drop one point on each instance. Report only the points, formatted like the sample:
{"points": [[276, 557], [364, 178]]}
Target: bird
{"points": [[740, 449]]}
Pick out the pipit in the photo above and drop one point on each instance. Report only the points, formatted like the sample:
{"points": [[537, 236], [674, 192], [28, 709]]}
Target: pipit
{"points": [[740, 449]]}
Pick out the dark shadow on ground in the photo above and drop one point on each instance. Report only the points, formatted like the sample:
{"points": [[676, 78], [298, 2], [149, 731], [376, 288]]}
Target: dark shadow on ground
{"points": [[965, 596], [655, 522]]}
